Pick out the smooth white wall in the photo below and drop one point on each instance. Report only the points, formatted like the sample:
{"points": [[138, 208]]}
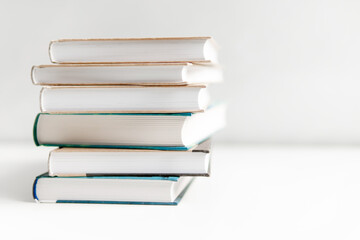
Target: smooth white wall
{"points": [[291, 67]]}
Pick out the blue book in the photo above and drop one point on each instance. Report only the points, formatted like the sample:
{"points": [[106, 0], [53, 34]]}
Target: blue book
{"points": [[154, 190], [162, 131]]}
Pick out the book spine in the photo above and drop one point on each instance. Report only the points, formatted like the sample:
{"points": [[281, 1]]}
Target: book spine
{"points": [[32, 75], [41, 99], [34, 189], [49, 52], [35, 130]]}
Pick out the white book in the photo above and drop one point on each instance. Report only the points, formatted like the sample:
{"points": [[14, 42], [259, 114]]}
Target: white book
{"points": [[118, 190], [115, 74], [124, 99], [159, 131], [118, 50], [134, 162]]}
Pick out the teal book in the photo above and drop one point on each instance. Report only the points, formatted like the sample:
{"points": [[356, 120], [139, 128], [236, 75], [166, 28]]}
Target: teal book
{"points": [[155, 190], [161, 131]]}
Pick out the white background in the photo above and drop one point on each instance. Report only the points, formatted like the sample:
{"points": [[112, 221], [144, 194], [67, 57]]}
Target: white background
{"points": [[291, 67], [291, 77]]}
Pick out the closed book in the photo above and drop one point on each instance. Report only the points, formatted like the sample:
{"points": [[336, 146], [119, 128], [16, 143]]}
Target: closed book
{"points": [[126, 74], [169, 131], [134, 50], [134, 162], [126, 99], [110, 190]]}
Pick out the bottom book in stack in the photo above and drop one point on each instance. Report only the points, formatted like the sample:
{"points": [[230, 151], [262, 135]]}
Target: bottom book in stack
{"points": [[128, 176]]}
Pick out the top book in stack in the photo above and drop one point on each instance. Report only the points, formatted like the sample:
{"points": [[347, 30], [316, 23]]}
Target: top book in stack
{"points": [[133, 50]]}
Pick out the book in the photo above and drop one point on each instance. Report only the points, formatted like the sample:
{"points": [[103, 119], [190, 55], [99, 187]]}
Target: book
{"points": [[115, 74], [114, 99], [110, 190], [118, 50], [116, 162], [169, 131]]}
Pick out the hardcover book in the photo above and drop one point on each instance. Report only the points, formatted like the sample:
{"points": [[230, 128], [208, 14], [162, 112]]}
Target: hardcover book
{"points": [[126, 74], [134, 50], [117, 162], [110, 190], [166, 131], [128, 99]]}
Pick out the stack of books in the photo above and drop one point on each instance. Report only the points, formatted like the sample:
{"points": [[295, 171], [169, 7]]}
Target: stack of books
{"points": [[132, 119]]}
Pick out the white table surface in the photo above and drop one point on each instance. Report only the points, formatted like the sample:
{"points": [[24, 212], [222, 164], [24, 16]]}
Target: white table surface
{"points": [[255, 192]]}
